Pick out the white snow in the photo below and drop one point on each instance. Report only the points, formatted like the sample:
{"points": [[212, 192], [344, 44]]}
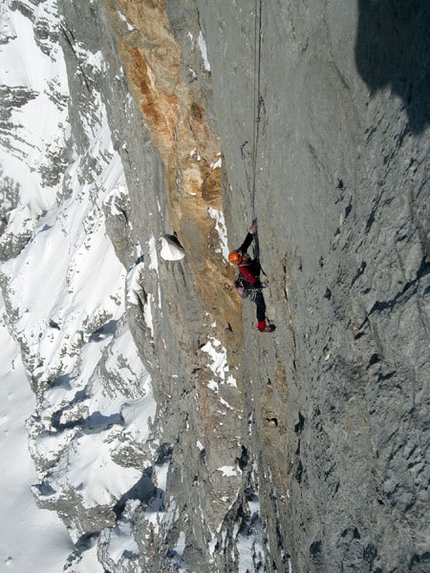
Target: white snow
{"points": [[121, 541], [147, 313], [212, 544], [88, 562], [170, 251], [231, 381], [217, 163], [200, 446], [221, 229], [226, 404], [249, 543], [93, 472], [161, 475], [124, 19], [202, 45], [195, 153], [229, 471], [30, 539], [212, 385], [113, 197], [66, 288], [38, 123], [134, 288], [180, 544], [139, 414], [218, 356], [135, 291], [79, 275], [153, 258]]}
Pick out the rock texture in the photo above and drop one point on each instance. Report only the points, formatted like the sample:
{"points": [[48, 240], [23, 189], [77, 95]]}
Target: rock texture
{"points": [[342, 199], [306, 449]]}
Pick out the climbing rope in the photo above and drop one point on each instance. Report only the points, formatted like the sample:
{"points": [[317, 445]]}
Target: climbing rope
{"points": [[258, 100]]}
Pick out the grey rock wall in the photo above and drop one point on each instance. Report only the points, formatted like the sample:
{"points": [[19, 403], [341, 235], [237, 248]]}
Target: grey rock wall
{"points": [[199, 415], [339, 393], [335, 402]]}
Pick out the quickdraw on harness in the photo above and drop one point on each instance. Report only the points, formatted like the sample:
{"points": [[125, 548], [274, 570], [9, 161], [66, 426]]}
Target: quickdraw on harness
{"points": [[244, 288]]}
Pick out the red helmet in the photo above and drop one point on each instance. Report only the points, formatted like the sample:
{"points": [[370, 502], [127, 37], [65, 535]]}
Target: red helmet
{"points": [[235, 258]]}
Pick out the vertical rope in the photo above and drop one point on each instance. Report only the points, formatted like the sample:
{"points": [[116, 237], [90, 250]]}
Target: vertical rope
{"points": [[258, 9]]}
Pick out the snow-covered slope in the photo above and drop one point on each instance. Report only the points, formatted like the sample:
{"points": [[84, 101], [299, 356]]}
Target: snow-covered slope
{"points": [[31, 539], [65, 299]]}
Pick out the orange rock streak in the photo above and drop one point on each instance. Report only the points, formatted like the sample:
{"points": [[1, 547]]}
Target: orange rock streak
{"points": [[187, 147]]}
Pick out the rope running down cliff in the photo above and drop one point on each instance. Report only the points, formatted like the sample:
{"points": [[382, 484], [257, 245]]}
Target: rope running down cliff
{"points": [[257, 97], [258, 100]]}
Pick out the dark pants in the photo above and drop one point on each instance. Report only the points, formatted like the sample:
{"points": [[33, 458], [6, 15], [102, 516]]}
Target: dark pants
{"points": [[257, 296]]}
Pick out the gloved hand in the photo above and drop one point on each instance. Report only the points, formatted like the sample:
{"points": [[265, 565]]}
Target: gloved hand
{"points": [[253, 228], [265, 284]]}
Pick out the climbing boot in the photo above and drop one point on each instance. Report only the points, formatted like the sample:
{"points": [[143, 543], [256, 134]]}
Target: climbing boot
{"points": [[264, 327]]}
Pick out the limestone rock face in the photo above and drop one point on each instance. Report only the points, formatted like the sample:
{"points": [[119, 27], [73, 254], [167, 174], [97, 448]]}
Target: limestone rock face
{"points": [[339, 391], [336, 397], [303, 450]]}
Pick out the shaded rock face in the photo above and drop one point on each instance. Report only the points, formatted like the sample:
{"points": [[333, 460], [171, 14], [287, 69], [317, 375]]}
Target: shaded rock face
{"points": [[392, 49], [179, 311], [306, 448]]}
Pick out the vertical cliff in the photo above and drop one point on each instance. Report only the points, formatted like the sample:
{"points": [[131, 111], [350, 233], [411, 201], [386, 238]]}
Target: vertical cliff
{"points": [[339, 393], [182, 310], [305, 450], [335, 398]]}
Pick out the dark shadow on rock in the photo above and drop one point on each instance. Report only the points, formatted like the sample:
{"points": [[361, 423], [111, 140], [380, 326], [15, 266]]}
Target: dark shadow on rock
{"points": [[104, 331], [96, 422], [174, 240], [44, 489], [63, 381], [393, 49], [146, 492]]}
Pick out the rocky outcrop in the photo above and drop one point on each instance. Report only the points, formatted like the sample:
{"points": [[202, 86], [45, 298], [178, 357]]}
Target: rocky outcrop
{"points": [[305, 450]]}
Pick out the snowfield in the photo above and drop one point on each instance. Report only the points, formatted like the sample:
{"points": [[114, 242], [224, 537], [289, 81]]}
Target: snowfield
{"points": [[31, 539], [66, 292]]}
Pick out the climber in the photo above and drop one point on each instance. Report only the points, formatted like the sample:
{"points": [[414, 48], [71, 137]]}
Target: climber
{"points": [[248, 282]]}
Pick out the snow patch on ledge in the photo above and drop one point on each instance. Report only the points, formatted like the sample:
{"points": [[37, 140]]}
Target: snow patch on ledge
{"points": [[153, 258], [203, 49], [221, 229], [217, 163], [218, 354], [171, 250], [229, 471]]}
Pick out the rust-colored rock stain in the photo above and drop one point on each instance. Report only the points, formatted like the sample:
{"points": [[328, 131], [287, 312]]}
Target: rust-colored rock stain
{"points": [[189, 151]]}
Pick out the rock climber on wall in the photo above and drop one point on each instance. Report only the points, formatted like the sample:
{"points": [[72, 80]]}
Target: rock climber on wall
{"points": [[248, 283]]}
